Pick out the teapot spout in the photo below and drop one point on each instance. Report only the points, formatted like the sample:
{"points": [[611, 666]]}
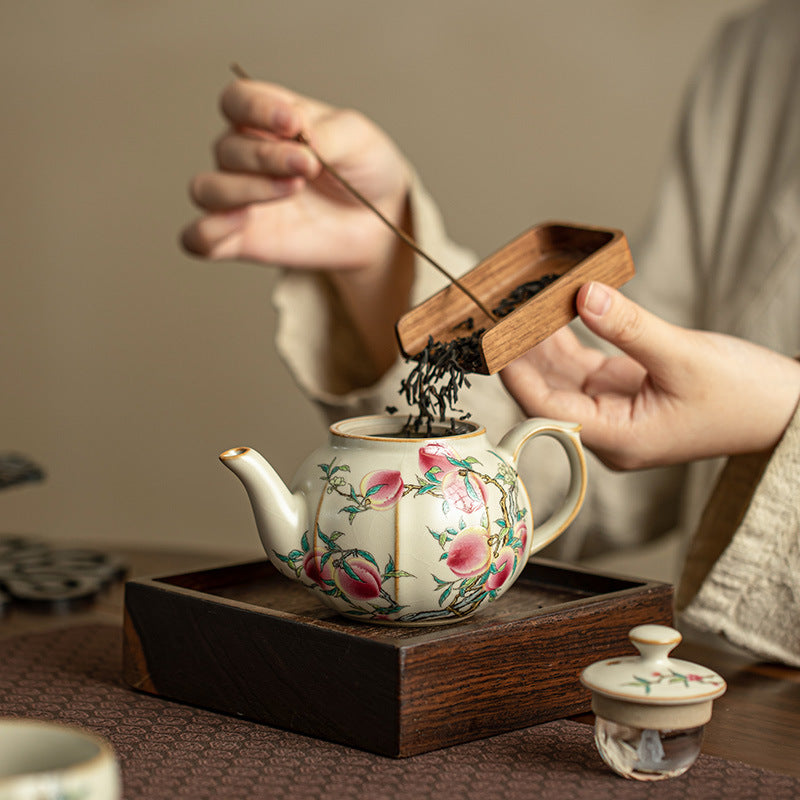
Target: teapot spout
{"points": [[280, 515]]}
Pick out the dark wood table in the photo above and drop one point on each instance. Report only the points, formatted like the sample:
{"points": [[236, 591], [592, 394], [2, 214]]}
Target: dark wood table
{"points": [[756, 722]]}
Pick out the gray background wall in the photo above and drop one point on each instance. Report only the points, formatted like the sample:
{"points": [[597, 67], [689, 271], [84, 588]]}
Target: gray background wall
{"points": [[126, 367]]}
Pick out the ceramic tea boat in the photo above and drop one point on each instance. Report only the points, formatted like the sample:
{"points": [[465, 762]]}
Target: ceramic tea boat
{"points": [[409, 531]]}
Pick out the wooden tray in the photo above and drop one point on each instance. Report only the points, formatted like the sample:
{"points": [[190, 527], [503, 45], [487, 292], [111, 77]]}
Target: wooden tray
{"points": [[245, 640], [578, 254]]}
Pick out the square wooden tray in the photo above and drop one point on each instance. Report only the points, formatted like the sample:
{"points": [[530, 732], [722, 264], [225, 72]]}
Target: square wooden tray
{"points": [[244, 640], [577, 254]]}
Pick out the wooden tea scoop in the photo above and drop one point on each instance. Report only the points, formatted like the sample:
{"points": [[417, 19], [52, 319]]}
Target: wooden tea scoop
{"points": [[575, 254]]}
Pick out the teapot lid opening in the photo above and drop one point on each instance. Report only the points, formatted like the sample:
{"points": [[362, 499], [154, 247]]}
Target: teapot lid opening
{"points": [[397, 427]]}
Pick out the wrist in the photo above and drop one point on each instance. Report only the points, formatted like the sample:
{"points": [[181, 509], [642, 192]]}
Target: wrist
{"points": [[375, 296], [773, 394]]}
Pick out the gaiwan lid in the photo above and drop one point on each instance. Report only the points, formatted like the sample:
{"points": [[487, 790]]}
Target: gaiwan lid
{"points": [[651, 689]]}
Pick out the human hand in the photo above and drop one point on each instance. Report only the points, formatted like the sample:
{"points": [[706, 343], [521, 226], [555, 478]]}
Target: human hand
{"points": [[674, 395], [269, 199]]}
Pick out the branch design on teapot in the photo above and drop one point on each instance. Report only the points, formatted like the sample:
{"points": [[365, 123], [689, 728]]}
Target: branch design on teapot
{"points": [[480, 558], [352, 574], [379, 489], [479, 554]]}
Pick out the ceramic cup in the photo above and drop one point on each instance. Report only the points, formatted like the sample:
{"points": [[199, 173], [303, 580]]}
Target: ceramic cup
{"points": [[42, 760], [650, 709]]}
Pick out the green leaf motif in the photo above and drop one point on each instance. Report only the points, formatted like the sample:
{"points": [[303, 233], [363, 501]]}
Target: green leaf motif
{"points": [[350, 571], [368, 556], [374, 489], [387, 610], [467, 585]]}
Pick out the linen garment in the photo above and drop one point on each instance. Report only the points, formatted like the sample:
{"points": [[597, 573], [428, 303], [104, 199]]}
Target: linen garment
{"points": [[722, 252]]}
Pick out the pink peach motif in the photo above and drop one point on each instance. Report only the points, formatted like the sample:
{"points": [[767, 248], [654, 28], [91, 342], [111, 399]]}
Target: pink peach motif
{"points": [[359, 580], [383, 488], [521, 533], [469, 553], [436, 454], [464, 491], [481, 544], [504, 564], [318, 572]]}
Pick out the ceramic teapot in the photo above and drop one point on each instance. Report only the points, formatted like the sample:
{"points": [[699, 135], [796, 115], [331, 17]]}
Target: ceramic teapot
{"points": [[410, 531]]}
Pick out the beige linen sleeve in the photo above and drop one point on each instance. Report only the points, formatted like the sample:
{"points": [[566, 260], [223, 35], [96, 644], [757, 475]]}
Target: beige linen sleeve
{"points": [[742, 574]]}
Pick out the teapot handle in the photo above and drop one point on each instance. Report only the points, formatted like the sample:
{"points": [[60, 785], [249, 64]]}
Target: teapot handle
{"points": [[567, 435]]}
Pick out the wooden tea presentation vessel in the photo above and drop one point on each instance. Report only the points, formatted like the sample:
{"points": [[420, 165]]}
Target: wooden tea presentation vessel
{"points": [[577, 254], [246, 641]]}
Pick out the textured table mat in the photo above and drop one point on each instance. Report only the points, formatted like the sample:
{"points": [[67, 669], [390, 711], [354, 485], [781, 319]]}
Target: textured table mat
{"points": [[171, 750]]}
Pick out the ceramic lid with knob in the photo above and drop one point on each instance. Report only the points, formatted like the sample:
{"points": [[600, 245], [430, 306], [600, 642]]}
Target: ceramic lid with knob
{"points": [[652, 689]]}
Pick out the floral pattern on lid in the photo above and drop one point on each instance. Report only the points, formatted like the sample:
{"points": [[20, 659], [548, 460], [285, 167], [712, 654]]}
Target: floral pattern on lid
{"points": [[653, 677]]}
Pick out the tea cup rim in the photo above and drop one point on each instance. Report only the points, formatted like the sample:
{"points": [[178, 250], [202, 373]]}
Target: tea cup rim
{"points": [[103, 755]]}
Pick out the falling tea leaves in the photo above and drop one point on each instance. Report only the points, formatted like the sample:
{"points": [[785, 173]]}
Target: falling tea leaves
{"points": [[440, 369]]}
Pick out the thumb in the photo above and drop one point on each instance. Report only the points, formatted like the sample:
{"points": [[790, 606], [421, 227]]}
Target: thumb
{"points": [[648, 339]]}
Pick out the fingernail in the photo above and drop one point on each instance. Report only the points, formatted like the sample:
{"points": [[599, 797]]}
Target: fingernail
{"points": [[597, 300]]}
